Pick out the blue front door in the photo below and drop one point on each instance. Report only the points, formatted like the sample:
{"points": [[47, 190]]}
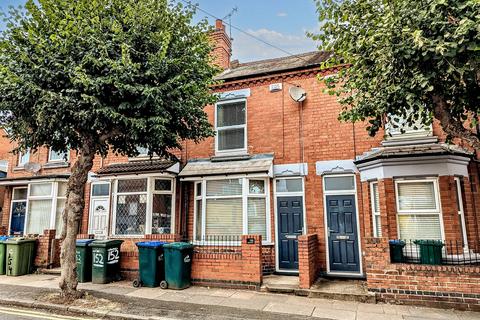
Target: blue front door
{"points": [[17, 223], [290, 226], [342, 234]]}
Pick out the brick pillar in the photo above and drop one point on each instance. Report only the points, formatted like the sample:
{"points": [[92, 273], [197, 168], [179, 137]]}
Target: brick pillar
{"points": [[5, 219], [388, 208], [46, 246], [252, 257], [307, 260]]}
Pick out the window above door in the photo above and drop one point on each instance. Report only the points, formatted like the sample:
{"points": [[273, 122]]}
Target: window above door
{"points": [[231, 127]]}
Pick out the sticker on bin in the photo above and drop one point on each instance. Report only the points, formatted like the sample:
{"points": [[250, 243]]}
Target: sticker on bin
{"points": [[186, 259], [113, 255]]}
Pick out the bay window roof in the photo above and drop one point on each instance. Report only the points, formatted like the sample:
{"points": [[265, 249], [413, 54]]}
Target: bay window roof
{"points": [[144, 166]]}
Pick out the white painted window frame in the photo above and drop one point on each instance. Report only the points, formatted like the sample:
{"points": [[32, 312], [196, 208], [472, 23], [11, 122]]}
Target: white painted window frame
{"points": [[150, 191], [53, 197], [245, 195], [50, 160], [461, 212], [16, 201], [438, 205], [374, 213], [243, 126], [21, 163]]}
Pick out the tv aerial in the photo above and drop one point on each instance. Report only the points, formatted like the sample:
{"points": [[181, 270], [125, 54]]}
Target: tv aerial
{"points": [[229, 17]]}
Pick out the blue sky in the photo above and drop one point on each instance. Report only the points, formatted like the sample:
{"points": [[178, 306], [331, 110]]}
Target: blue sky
{"points": [[280, 22]]}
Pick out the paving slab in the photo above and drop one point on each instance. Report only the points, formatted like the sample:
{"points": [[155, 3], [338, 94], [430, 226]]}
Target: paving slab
{"points": [[431, 313], [244, 304], [467, 315], [370, 308], [148, 293], [334, 314], [377, 316], [302, 310]]}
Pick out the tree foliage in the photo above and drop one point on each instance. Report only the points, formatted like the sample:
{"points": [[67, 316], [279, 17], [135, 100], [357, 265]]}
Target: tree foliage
{"points": [[121, 73], [417, 60], [100, 76]]}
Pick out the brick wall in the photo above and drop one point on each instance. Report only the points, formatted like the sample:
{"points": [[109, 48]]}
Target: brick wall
{"points": [[308, 266], [222, 270], [47, 250], [439, 286], [268, 259]]}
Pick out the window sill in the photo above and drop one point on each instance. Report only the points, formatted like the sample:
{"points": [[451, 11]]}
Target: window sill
{"points": [[143, 158], [19, 168], [230, 156], [54, 165]]}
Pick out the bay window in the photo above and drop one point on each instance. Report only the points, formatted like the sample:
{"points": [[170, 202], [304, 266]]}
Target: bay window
{"points": [[45, 202], [144, 206], [418, 208], [231, 126], [231, 207]]}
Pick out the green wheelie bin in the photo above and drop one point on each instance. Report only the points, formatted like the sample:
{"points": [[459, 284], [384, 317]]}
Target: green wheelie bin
{"points": [[151, 264], [178, 265], [3, 255], [105, 261], [83, 256], [20, 256], [430, 251], [396, 251]]}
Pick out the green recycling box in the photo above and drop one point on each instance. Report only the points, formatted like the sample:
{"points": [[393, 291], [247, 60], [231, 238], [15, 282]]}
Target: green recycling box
{"points": [[20, 255], [178, 264], [83, 256], [430, 251], [105, 261], [3, 255], [151, 263]]}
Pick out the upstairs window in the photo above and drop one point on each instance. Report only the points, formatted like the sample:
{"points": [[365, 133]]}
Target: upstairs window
{"points": [[23, 158], [398, 127], [57, 156], [231, 126]]}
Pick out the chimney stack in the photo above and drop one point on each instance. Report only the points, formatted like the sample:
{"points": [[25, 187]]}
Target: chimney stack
{"points": [[222, 45]]}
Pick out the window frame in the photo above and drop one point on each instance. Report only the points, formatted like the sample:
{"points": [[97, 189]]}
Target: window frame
{"points": [[53, 197], [245, 195], [243, 126], [21, 155], [61, 160], [420, 212], [374, 212], [149, 208], [461, 211]]}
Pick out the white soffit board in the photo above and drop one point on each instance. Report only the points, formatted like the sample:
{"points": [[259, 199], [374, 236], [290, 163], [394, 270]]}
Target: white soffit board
{"points": [[335, 166], [448, 165]]}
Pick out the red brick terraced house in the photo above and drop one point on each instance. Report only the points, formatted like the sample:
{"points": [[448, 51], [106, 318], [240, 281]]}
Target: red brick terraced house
{"points": [[283, 188]]}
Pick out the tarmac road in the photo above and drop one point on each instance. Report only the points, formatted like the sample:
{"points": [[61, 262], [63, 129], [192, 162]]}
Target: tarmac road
{"points": [[8, 313]]}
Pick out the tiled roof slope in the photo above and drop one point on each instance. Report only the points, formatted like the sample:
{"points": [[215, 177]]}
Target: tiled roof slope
{"points": [[136, 166], [270, 66]]}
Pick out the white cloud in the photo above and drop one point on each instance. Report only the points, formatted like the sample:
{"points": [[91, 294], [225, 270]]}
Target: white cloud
{"points": [[282, 14], [246, 48]]}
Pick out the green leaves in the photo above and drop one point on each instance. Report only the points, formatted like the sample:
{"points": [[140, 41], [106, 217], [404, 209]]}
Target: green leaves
{"points": [[118, 72], [402, 54]]}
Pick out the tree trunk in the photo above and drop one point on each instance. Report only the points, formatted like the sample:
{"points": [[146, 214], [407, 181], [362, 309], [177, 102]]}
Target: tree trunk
{"points": [[72, 216], [453, 127]]}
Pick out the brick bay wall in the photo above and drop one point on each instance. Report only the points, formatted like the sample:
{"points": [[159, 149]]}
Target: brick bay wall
{"points": [[308, 255], [242, 270], [437, 286]]}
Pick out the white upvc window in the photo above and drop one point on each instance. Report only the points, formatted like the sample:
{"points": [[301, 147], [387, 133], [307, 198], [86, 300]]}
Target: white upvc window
{"points": [[398, 127], [461, 212], [144, 205], [375, 203], [54, 156], [418, 209], [231, 126], [46, 202], [232, 207], [23, 158]]}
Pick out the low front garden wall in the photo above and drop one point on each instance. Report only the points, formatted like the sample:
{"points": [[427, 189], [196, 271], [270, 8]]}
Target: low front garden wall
{"points": [[444, 286]]}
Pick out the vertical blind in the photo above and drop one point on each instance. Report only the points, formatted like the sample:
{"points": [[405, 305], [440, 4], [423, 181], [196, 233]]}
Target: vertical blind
{"points": [[257, 217]]}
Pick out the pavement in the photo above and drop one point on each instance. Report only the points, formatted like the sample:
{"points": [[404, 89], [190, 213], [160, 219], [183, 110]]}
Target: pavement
{"points": [[122, 301]]}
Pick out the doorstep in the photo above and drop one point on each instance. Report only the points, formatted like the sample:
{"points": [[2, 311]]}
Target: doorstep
{"points": [[338, 289]]}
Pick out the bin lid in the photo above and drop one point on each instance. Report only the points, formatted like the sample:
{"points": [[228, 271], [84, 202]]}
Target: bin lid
{"points": [[434, 243], [178, 245], [150, 244], [106, 243], [3, 238], [19, 240], [84, 242], [397, 242]]}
